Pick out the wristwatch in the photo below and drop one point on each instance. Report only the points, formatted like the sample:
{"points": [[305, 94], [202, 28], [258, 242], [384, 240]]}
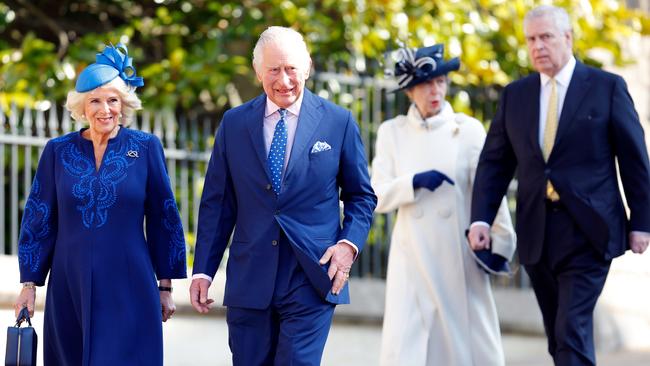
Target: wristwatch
{"points": [[164, 288], [29, 285]]}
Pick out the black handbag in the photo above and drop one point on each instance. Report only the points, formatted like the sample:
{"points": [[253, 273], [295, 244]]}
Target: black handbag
{"points": [[21, 342]]}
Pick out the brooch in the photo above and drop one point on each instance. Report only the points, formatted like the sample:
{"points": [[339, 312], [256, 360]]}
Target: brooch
{"points": [[132, 154]]}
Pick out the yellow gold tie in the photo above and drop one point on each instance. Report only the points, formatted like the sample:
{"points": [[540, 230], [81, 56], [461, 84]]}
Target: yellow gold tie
{"points": [[550, 131]]}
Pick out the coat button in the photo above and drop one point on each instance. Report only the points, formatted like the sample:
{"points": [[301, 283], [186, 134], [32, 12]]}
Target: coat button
{"points": [[268, 187], [274, 242], [444, 212], [277, 212], [417, 212]]}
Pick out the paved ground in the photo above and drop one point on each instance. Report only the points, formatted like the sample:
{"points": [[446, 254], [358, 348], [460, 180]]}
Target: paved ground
{"points": [[194, 340], [355, 336]]}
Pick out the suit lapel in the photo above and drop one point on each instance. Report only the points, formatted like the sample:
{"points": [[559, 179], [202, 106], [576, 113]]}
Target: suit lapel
{"points": [[578, 87], [532, 99], [310, 116], [255, 125]]}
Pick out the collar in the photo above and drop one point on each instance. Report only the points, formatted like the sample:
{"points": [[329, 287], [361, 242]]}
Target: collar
{"points": [[446, 113], [293, 109], [563, 77]]}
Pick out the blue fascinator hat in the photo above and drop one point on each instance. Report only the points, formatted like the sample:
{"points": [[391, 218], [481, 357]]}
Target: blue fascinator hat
{"points": [[413, 66], [109, 64]]}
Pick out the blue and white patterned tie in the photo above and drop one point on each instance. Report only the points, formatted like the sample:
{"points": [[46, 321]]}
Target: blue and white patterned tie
{"points": [[275, 159]]}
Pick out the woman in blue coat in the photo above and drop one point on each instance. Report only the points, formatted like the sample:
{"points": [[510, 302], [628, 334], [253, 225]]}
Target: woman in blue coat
{"points": [[101, 219]]}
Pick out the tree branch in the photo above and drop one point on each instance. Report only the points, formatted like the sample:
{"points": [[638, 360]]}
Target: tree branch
{"points": [[64, 42]]}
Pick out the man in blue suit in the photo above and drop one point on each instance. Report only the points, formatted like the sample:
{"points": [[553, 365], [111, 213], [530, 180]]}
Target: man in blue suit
{"points": [[280, 165], [564, 129]]}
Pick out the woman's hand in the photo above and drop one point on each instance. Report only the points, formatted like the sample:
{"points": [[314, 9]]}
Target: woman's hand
{"points": [[430, 180], [166, 301], [26, 298]]}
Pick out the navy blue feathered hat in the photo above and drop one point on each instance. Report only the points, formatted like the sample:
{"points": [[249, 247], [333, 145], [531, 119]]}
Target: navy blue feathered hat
{"points": [[414, 66], [109, 64]]}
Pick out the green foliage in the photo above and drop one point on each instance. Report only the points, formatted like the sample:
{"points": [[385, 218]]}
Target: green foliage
{"points": [[195, 55]]}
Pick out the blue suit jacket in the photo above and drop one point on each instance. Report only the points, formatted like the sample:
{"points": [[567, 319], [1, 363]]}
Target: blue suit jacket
{"points": [[598, 125], [238, 194]]}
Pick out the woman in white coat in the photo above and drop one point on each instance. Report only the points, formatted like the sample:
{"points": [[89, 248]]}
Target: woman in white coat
{"points": [[439, 305]]}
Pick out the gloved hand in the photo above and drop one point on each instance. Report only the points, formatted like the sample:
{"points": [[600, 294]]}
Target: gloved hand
{"points": [[430, 180]]}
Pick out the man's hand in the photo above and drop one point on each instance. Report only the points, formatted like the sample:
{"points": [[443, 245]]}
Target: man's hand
{"points": [[479, 237], [340, 256], [639, 241], [26, 298], [199, 295]]}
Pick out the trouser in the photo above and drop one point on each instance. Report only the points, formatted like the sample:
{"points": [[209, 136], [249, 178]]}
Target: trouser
{"points": [[292, 330], [567, 282]]}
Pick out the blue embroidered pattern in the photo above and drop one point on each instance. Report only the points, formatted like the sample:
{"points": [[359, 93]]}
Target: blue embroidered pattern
{"points": [[172, 222], [97, 192], [35, 228]]}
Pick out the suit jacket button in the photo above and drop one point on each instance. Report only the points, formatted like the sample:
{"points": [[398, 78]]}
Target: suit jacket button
{"points": [[274, 242], [277, 212], [268, 187]]}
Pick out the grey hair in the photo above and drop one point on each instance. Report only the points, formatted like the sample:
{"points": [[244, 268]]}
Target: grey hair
{"points": [[280, 36], [559, 16], [130, 101]]}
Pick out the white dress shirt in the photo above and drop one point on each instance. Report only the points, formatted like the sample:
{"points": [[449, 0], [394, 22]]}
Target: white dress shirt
{"points": [[271, 119], [562, 80]]}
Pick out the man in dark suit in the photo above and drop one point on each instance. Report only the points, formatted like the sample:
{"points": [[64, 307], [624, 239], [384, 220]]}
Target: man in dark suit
{"points": [[280, 165], [565, 129]]}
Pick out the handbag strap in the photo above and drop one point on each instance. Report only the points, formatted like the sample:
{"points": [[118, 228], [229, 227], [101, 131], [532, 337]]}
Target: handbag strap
{"points": [[23, 315]]}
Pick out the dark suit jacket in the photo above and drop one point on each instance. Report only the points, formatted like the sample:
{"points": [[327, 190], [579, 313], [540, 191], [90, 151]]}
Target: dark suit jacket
{"points": [[598, 126], [238, 194]]}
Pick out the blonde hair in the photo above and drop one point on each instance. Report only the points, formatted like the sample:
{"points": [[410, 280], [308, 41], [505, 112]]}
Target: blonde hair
{"points": [[130, 101]]}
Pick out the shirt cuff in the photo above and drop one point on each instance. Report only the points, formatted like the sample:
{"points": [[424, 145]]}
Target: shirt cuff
{"points": [[479, 223], [202, 275], [354, 247], [639, 232]]}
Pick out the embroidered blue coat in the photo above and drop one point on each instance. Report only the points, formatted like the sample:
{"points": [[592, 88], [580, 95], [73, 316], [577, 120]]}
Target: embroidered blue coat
{"points": [[86, 227]]}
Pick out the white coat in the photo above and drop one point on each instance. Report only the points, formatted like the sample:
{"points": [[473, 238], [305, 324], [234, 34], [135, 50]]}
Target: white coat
{"points": [[439, 305]]}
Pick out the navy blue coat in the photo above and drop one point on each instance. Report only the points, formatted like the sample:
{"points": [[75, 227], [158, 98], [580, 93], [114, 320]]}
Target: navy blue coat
{"points": [[598, 127], [238, 195], [85, 227]]}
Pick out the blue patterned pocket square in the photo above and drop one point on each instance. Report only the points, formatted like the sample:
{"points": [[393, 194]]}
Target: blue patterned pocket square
{"points": [[320, 146]]}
